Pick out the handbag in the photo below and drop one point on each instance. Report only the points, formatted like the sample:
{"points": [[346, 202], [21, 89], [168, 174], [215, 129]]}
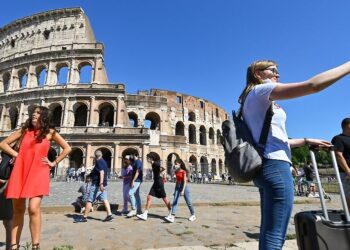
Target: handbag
{"points": [[6, 164], [243, 156]]}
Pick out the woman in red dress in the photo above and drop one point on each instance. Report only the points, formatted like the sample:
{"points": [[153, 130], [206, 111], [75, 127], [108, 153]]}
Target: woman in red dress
{"points": [[30, 178]]}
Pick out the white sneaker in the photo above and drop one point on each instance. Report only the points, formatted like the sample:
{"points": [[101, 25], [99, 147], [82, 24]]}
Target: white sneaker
{"points": [[131, 213], [192, 218], [170, 218], [142, 216]]}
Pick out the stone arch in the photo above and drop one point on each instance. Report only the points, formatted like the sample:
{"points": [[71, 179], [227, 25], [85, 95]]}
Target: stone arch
{"points": [[193, 164], [22, 78], [130, 152], [170, 163], [213, 167], [107, 156], [191, 116], [180, 128], [41, 75], [211, 135], [220, 167], [106, 115], [154, 155], [133, 119], [218, 137], [204, 165], [80, 114], [202, 135], [52, 155], [62, 70], [153, 121], [192, 134], [85, 72], [56, 110], [14, 115], [76, 157], [6, 77]]}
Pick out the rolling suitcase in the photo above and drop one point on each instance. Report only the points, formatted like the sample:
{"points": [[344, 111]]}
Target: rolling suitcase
{"points": [[325, 229]]}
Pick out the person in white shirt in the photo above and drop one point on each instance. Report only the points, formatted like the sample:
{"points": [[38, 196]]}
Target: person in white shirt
{"points": [[275, 181]]}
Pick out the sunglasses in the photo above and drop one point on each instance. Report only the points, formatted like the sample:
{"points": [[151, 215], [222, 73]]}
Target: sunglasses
{"points": [[273, 70]]}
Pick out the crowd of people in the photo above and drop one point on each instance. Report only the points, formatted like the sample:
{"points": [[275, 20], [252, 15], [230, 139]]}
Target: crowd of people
{"points": [[29, 181]]}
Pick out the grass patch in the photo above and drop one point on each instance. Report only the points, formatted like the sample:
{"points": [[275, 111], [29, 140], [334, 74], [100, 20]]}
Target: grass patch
{"points": [[205, 226], [186, 232], [291, 236], [64, 247]]}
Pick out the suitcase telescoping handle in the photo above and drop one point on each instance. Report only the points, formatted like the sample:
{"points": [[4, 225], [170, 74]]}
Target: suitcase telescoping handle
{"points": [[336, 170]]}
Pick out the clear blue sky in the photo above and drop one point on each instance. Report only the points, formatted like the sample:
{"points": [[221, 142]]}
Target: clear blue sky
{"points": [[203, 47]]}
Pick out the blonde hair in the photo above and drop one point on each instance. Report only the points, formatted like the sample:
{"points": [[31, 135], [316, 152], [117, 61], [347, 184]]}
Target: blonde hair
{"points": [[252, 80]]}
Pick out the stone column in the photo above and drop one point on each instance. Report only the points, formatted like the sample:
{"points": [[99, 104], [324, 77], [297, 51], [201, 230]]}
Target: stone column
{"points": [[14, 82], [2, 116], [32, 81], [119, 118], [88, 160], [117, 159], [65, 113], [21, 114], [73, 73], [51, 78], [145, 151], [91, 111]]}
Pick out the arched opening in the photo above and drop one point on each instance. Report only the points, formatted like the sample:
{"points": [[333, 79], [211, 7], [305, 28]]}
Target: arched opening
{"points": [[52, 155], [193, 164], [106, 113], [213, 167], [220, 167], [202, 136], [56, 110], [76, 158], [80, 114], [6, 81], [204, 165], [170, 163], [133, 118], [152, 121], [13, 117], [218, 137], [191, 117], [129, 152], [62, 74], [41, 74], [180, 128], [211, 135], [192, 134], [85, 73], [22, 76], [107, 156]]}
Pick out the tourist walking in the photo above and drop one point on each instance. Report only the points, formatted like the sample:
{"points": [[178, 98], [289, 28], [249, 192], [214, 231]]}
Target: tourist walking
{"points": [[30, 178], [181, 189], [341, 144], [275, 182], [126, 174], [98, 188], [135, 184], [157, 190]]}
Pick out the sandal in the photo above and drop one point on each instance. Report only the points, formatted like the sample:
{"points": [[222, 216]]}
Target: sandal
{"points": [[14, 246], [36, 246]]}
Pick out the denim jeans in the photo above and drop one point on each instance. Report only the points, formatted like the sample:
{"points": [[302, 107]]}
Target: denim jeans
{"points": [[135, 199], [178, 189], [276, 189]]}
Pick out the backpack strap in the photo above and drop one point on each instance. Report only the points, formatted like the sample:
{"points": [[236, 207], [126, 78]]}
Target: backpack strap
{"points": [[266, 126]]}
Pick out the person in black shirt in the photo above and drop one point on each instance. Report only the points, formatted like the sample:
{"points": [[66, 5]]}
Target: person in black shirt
{"points": [[157, 189], [341, 144], [310, 180]]}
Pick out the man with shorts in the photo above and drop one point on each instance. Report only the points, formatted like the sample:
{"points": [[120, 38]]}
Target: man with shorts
{"points": [[98, 187], [341, 144], [6, 214]]}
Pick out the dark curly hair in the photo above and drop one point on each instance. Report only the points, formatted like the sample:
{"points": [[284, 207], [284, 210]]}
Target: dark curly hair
{"points": [[44, 123]]}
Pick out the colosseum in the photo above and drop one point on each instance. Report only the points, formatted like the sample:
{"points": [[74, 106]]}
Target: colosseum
{"points": [[52, 59]]}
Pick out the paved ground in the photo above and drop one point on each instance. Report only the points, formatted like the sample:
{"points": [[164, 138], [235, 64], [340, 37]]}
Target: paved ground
{"points": [[228, 218]]}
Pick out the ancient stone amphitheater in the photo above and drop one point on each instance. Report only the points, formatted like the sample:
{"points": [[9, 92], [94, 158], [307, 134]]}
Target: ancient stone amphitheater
{"points": [[53, 59]]}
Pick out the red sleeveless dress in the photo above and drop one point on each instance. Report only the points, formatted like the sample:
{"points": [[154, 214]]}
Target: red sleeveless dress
{"points": [[30, 177]]}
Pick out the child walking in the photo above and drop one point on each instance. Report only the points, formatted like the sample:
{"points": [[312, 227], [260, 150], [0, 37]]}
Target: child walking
{"points": [[181, 188]]}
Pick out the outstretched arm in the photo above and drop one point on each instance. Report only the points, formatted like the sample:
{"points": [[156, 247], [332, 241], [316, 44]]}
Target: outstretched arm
{"points": [[313, 85], [294, 143]]}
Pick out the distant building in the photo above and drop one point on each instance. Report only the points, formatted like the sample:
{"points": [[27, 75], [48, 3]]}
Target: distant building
{"points": [[44, 60]]}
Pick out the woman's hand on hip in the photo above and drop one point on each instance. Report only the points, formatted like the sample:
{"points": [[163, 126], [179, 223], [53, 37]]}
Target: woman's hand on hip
{"points": [[50, 163]]}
